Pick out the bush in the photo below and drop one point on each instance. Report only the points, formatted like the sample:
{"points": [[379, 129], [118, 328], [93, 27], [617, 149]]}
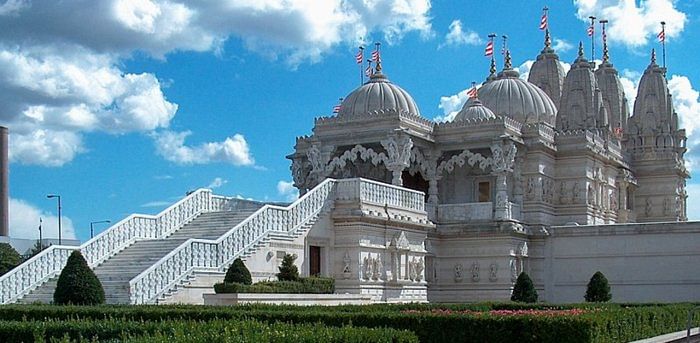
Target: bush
{"points": [[288, 271], [524, 290], [602, 323], [238, 273], [9, 258], [78, 284], [176, 331], [598, 289], [310, 285]]}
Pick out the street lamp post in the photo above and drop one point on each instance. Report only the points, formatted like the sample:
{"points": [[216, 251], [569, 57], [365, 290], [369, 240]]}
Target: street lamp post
{"points": [[92, 229], [50, 196]]}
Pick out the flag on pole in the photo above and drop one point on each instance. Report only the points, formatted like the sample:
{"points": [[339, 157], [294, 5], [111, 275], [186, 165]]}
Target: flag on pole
{"points": [[360, 56], [472, 92], [543, 21], [489, 49], [369, 71], [336, 108], [662, 36], [376, 57], [591, 30]]}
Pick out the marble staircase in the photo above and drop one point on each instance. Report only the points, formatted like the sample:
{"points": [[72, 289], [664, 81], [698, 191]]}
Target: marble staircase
{"points": [[116, 272]]}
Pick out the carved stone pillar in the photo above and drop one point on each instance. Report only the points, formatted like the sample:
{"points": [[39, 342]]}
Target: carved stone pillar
{"points": [[318, 157], [398, 148], [503, 157]]}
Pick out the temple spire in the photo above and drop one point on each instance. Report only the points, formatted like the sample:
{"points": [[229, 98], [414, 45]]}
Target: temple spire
{"points": [[507, 64], [653, 57], [492, 70], [580, 51], [606, 56]]}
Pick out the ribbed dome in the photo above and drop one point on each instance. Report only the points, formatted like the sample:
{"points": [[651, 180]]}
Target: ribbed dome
{"points": [[513, 97], [474, 109], [378, 94]]}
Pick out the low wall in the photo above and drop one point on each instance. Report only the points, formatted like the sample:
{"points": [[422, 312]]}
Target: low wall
{"points": [[287, 299], [649, 262]]}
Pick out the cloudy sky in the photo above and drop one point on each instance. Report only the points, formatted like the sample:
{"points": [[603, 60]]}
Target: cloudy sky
{"points": [[122, 106]]}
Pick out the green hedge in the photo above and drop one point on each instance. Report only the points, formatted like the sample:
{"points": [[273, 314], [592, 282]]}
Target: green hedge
{"points": [[311, 285], [192, 331], [599, 323]]}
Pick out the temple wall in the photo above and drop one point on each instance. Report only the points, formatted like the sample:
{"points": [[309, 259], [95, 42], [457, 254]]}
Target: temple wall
{"points": [[654, 262]]}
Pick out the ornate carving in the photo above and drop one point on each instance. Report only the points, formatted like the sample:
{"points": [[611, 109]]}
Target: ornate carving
{"points": [[503, 156], [377, 268], [465, 156], [419, 269], [358, 151], [475, 271], [398, 148], [400, 241], [458, 272], [493, 272], [347, 271], [367, 270], [513, 270], [649, 208]]}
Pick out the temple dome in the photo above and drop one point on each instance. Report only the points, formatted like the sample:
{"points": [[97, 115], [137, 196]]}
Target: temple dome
{"points": [[376, 95], [523, 101], [474, 109]]}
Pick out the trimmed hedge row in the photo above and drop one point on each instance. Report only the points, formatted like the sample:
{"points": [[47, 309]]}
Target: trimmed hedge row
{"points": [[597, 323], [310, 285], [192, 331]]}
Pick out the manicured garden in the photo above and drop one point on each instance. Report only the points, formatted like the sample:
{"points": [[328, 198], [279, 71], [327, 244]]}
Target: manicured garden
{"points": [[484, 322]]}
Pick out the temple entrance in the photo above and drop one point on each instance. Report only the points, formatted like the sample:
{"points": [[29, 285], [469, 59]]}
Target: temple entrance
{"points": [[314, 260], [416, 182]]}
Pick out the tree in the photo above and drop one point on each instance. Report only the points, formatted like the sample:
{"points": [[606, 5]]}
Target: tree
{"points": [[288, 271], [598, 289], [238, 273], [9, 258], [78, 284], [524, 290], [37, 248]]}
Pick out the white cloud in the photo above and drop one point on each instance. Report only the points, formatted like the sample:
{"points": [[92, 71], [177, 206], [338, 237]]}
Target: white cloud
{"points": [[157, 203], [451, 105], [634, 24], [217, 182], [24, 222], [287, 190], [561, 45], [692, 205], [457, 36], [49, 98], [686, 101], [61, 71], [234, 150]]}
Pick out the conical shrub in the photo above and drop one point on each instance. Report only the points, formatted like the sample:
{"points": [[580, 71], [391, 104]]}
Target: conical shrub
{"points": [[288, 271], [524, 290], [598, 289], [238, 273], [78, 285]]}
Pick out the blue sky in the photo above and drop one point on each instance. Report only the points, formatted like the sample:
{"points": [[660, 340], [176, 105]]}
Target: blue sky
{"points": [[122, 106]]}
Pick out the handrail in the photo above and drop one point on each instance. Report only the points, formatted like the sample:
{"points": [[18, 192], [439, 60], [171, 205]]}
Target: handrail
{"points": [[201, 253], [51, 261]]}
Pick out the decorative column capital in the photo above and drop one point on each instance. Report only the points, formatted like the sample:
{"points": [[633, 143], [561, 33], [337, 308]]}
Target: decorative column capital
{"points": [[398, 149]]}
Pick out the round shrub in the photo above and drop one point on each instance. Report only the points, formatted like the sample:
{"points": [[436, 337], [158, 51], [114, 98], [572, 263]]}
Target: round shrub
{"points": [[9, 258], [288, 271], [78, 284], [598, 289], [524, 290], [238, 273]]}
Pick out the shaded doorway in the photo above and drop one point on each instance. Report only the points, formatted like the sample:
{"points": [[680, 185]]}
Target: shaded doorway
{"points": [[314, 260]]}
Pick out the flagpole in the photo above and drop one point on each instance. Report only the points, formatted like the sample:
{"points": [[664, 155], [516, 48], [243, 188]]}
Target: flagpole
{"points": [[592, 40], [505, 48], [663, 43], [362, 66]]}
